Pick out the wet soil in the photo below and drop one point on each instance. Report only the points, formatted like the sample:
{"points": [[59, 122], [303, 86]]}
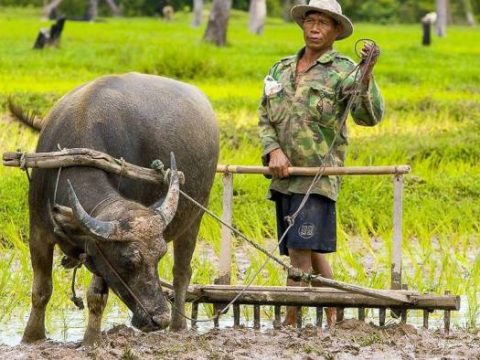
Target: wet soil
{"points": [[350, 339]]}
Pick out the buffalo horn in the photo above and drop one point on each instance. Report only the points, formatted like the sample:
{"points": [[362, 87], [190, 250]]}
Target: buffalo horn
{"points": [[169, 205], [100, 229]]}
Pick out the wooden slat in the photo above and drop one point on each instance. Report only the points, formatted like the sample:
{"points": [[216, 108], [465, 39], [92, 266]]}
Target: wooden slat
{"points": [[361, 314], [316, 297], [277, 323], [256, 317], [319, 311], [381, 316], [236, 315]]}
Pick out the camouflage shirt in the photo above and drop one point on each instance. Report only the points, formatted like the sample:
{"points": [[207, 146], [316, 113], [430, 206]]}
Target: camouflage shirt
{"points": [[303, 118]]}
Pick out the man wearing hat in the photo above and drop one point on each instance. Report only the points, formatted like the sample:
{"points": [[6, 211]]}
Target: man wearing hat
{"points": [[300, 113]]}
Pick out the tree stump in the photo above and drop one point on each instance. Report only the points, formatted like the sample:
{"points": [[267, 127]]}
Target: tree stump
{"points": [[50, 37]]}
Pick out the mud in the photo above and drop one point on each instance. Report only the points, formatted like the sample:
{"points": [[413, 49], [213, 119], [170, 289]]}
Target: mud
{"points": [[350, 339]]}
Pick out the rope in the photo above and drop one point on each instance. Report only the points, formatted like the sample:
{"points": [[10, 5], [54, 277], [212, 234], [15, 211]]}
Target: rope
{"points": [[24, 167], [78, 301]]}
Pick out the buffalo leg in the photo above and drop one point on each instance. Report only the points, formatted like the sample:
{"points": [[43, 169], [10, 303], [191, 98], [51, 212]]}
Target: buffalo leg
{"points": [[97, 297], [41, 253], [182, 271]]}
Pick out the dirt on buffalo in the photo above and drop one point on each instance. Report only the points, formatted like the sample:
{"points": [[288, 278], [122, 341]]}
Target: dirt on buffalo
{"points": [[350, 339]]}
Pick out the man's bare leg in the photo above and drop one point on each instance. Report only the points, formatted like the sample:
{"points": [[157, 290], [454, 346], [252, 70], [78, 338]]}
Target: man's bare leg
{"points": [[301, 259], [321, 266]]}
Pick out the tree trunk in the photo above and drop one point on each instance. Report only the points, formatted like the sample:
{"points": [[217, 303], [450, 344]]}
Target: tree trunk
{"points": [[197, 12], [216, 31], [467, 6], [91, 11], [113, 7], [442, 13], [287, 6], [258, 13], [47, 9]]}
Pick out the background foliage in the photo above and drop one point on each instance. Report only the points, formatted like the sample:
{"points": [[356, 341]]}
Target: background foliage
{"points": [[380, 11]]}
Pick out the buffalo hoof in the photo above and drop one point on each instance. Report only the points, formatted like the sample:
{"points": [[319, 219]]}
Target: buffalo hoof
{"points": [[92, 338], [162, 321], [33, 336], [179, 325]]}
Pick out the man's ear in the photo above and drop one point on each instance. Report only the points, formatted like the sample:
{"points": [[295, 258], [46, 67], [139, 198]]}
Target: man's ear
{"points": [[338, 28]]}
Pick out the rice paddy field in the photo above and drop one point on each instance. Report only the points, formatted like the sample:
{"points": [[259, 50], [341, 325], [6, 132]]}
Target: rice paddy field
{"points": [[432, 123]]}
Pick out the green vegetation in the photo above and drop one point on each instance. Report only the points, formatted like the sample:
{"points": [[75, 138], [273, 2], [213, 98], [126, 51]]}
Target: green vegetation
{"points": [[432, 123], [378, 11]]}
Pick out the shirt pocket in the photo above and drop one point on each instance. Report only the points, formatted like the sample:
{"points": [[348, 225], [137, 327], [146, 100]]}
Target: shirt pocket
{"points": [[277, 107], [321, 106]]}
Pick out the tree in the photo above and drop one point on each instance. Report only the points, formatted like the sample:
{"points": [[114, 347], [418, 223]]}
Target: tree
{"points": [[116, 11], [91, 11], [197, 12], [442, 13], [287, 5], [216, 31], [50, 7], [257, 15], [467, 6]]}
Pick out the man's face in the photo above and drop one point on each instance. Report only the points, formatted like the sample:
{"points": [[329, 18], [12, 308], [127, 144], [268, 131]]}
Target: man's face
{"points": [[319, 31]]}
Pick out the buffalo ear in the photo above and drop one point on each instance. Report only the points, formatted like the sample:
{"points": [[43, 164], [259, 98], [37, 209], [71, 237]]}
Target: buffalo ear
{"points": [[168, 208], [102, 230]]}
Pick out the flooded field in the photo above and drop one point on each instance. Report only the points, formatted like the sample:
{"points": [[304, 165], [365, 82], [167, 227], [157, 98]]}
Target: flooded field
{"points": [[350, 339], [68, 325]]}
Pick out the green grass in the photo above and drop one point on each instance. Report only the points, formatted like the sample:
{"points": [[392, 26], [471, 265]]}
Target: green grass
{"points": [[432, 123]]}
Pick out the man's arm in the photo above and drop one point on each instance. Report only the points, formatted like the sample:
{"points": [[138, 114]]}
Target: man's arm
{"points": [[272, 155], [368, 109]]}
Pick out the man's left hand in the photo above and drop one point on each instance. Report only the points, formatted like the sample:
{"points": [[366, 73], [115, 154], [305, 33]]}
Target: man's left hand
{"points": [[365, 52]]}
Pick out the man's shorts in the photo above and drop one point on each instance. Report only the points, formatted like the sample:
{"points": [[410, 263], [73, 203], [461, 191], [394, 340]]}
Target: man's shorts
{"points": [[315, 226]]}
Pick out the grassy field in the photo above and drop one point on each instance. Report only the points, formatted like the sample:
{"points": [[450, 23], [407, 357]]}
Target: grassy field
{"points": [[432, 123]]}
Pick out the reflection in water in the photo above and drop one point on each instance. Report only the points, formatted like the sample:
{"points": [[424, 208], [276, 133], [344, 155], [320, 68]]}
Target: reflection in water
{"points": [[69, 325]]}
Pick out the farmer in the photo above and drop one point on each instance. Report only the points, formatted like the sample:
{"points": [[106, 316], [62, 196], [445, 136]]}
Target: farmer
{"points": [[300, 117]]}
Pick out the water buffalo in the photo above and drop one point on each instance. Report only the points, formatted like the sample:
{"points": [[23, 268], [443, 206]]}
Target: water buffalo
{"points": [[120, 227]]}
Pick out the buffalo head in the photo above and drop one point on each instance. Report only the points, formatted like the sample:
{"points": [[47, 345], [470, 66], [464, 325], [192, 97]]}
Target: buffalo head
{"points": [[124, 244]]}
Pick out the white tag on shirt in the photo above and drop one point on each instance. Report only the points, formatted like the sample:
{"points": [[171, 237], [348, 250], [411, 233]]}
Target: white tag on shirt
{"points": [[272, 86]]}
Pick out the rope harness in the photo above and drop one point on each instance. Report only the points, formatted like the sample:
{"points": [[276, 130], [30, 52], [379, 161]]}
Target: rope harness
{"points": [[293, 273]]}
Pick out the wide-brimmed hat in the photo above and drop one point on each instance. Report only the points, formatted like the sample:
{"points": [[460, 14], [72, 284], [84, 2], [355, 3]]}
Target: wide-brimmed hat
{"points": [[330, 7]]}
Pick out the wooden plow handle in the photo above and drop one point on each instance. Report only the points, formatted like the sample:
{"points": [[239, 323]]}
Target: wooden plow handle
{"points": [[86, 157]]}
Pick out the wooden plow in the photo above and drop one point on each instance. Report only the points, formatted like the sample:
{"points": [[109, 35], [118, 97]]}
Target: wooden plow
{"points": [[337, 294]]}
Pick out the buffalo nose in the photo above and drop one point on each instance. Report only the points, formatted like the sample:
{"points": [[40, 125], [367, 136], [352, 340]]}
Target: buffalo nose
{"points": [[162, 320]]}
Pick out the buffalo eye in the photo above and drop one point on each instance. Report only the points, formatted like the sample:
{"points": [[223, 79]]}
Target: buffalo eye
{"points": [[131, 258]]}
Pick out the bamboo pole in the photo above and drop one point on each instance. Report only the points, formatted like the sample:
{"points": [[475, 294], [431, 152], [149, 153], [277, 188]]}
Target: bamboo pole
{"points": [[98, 159], [397, 297], [396, 269], [225, 259], [312, 171]]}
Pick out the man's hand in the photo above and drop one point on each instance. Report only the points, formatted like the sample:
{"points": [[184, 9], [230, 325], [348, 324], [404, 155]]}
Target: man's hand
{"points": [[279, 163], [366, 50]]}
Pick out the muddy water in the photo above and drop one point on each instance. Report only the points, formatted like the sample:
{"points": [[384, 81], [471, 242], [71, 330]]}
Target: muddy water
{"points": [[69, 325]]}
